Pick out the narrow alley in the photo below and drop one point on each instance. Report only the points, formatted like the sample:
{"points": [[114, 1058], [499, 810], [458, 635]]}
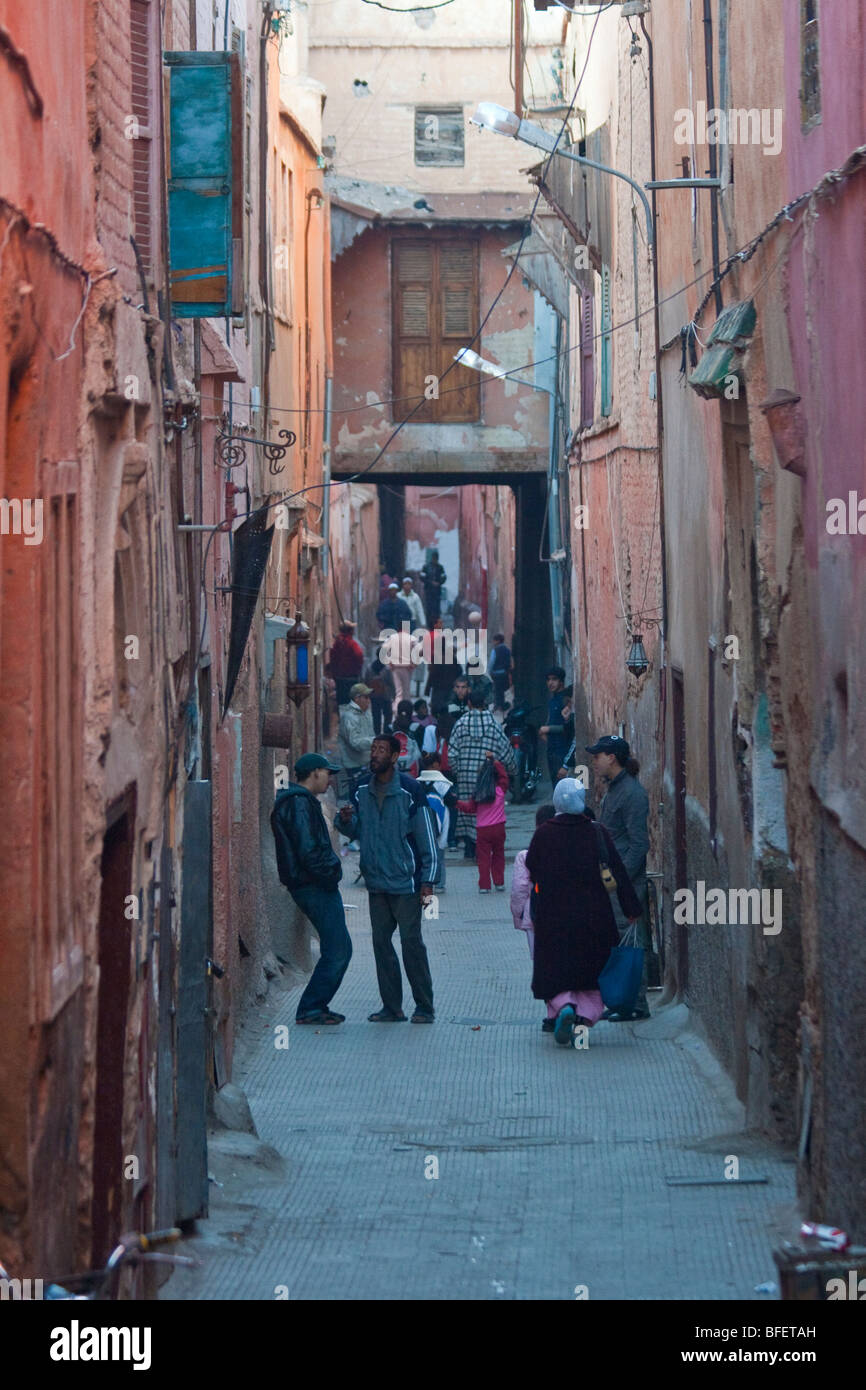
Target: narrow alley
{"points": [[562, 1173], [432, 441]]}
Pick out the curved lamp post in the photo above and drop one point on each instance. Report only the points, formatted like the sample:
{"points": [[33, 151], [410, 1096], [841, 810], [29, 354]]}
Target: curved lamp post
{"points": [[490, 116]]}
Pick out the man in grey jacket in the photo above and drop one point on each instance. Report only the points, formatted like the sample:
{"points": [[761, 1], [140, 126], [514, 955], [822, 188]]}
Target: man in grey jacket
{"points": [[356, 734], [624, 812], [399, 864]]}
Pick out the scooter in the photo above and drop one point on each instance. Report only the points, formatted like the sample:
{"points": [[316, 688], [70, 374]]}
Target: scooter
{"points": [[523, 738]]}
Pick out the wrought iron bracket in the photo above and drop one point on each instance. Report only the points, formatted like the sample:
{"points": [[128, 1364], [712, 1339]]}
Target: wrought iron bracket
{"points": [[230, 450]]}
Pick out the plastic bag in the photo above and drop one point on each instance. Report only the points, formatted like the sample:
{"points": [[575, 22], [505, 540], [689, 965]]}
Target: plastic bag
{"points": [[485, 783]]}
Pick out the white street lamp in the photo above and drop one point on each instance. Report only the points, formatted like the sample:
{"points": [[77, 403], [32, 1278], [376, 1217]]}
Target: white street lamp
{"points": [[499, 119], [468, 358]]}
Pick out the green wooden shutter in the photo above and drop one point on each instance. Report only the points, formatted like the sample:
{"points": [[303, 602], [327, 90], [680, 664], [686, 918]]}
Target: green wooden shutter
{"points": [[204, 176], [606, 344]]}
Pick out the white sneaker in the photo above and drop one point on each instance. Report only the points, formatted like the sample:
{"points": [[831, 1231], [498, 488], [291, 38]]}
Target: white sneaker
{"points": [[500, 887], [484, 890]]}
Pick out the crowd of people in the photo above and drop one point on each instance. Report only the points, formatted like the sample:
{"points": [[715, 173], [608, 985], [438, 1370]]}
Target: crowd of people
{"points": [[416, 776]]}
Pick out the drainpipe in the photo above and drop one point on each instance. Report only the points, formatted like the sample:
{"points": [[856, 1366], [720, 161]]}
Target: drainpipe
{"points": [[660, 427], [554, 524], [326, 464], [711, 102]]}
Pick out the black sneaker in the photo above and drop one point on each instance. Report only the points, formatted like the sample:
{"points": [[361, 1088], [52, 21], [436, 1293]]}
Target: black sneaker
{"points": [[547, 1025]]}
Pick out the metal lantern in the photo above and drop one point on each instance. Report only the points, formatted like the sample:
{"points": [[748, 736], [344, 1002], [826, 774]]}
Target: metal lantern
{"points": [[298, 660], [637, 661]]}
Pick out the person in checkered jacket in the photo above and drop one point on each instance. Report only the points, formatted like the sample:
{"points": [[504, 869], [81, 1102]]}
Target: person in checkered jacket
{"points": [[475, 735]]}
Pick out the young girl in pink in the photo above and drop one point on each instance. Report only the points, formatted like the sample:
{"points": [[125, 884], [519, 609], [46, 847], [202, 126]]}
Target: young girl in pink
{"points": [[490, 828]]}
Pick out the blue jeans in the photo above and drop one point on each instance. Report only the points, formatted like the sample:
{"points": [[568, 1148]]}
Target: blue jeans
{"points": [[324, 907]]}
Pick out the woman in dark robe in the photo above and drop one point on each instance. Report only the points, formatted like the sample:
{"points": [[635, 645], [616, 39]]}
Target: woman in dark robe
{"points": [[574, 924]]}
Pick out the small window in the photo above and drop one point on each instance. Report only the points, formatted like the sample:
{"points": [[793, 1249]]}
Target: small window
{"points": [[439, 135], [810, 76]]}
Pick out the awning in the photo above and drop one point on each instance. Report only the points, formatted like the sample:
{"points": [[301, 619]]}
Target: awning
{"points": [[357, 204], [543, 271]]}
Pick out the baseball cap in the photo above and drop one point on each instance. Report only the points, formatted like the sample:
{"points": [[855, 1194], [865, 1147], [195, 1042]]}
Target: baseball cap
{"points": [[360, 689], [309, 762], [611, 743]]}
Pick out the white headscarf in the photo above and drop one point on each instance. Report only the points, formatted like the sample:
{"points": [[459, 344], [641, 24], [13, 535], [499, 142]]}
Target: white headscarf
{"points": [[569, 797]]}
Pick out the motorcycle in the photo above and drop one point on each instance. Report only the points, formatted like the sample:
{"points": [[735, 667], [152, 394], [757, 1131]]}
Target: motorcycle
{"points": [[523, 737]]}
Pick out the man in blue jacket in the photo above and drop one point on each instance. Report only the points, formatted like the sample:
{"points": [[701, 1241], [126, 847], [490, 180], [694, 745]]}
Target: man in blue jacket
{"points": [[399, 864], [311, 870]]}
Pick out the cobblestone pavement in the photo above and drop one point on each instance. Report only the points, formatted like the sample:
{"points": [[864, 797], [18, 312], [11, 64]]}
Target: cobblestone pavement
{"points": [[554, 1164]]}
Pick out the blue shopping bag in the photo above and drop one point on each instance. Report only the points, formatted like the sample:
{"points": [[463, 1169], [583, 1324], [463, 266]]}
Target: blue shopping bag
{"points": [[619, 981]]}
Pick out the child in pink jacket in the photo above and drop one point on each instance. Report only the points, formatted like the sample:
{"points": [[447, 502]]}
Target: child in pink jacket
{"points": [[521, 885], [490, 831]]}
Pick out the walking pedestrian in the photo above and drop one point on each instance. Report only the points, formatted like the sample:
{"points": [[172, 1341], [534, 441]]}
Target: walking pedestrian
{"points": [[473, 735], [413, 602], [423, 718], [624, 812], [554, 731], [404, 730], [393, 610], [458, 702], [499, 669], [440, 671], [521, 892], [309, 867], [442, 804], [412, 599], [356, 734], [399, 864], [432, 580], [345, 662], [392, 613], [574, 928], [379, 678], [490, 831]]}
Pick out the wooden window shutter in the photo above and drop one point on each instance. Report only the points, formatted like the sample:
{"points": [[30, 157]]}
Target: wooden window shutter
{"points": [[435, 298], [205, 182], [414, 328], [458, 318], [143, 198], [606, 344], [587, 359]]}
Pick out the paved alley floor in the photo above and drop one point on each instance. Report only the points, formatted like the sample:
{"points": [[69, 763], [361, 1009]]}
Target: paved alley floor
{"points": [[555, 1166]]}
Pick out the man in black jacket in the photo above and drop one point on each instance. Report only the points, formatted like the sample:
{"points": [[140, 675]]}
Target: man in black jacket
{"points": [[311, 870]]}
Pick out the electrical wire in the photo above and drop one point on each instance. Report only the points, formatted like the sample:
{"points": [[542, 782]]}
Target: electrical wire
{"points": [[413, 9], [368, 468], [857, 160]]}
